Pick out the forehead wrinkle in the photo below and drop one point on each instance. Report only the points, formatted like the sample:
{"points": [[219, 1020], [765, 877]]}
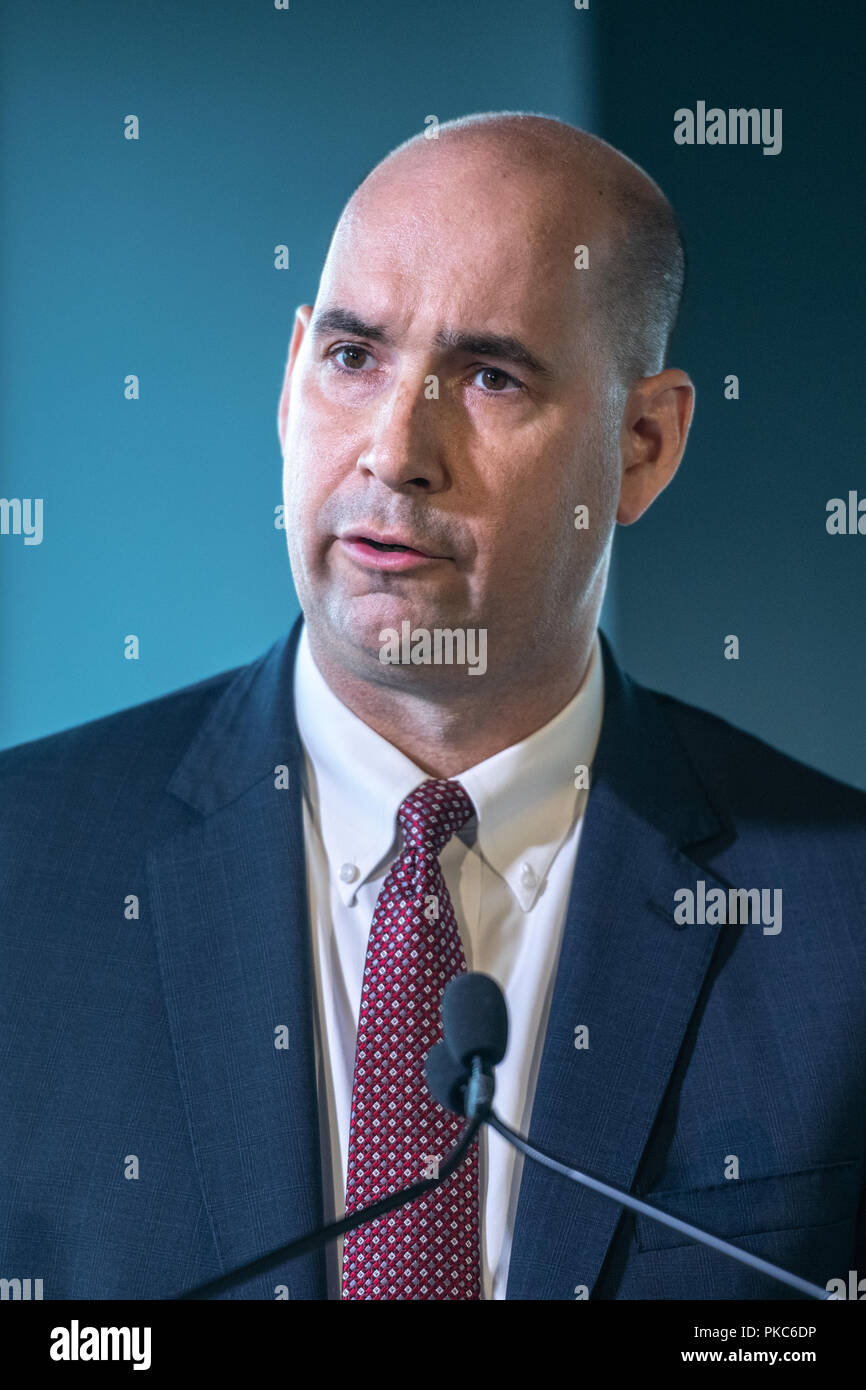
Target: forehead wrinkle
{"points": [[527, 230], [534, 182], [438, 258], [489, 266]]}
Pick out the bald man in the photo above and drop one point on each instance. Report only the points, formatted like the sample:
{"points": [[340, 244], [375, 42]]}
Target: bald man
{"points": [[232, 919]]}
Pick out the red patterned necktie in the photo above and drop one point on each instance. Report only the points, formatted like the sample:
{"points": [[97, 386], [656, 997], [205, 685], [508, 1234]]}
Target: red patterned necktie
{"points": [[429, 1249]]}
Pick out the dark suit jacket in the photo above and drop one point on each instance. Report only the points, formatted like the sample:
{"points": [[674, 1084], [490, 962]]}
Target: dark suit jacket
{"points": [[154, 1037]]}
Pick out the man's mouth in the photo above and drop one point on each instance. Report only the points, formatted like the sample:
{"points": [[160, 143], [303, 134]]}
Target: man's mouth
{"points": [[380, 545], [386, 552]]}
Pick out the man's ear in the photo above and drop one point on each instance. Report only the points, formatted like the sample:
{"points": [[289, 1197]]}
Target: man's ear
{"points": [[655, 428], [302, 320]]}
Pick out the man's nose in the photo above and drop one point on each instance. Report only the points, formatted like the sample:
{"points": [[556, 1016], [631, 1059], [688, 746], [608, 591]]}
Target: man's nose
{"points": [[404, 444]]}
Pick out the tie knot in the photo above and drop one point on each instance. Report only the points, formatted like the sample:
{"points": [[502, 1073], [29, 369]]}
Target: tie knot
{"points": [[432, 813]]}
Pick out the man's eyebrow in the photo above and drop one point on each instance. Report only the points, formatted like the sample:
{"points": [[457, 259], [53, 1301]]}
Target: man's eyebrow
{"points": [[501, 345], [339, 320]]}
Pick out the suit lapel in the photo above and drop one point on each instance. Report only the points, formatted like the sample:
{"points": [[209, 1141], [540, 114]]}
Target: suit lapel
{"points": [[629, 975], [229, 902]]}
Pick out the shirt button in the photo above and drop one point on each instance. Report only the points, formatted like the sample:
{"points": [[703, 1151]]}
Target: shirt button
{"points": [[528, 876], [348, 873]]}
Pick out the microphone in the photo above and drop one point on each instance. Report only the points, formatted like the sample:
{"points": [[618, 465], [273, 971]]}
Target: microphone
{"points": [[475, 1032], [446, 1079], [459, 1075], [475, 1020]]}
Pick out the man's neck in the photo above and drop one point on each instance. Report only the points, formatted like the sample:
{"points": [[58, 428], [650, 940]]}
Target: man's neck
{"points": [[444, 735]]}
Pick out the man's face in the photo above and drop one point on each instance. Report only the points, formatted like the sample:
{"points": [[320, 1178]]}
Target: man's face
{"points": [[408, 417]]}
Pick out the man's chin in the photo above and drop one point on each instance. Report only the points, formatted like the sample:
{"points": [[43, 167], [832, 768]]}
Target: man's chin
{"points": [[385, 639], [361, 619]]}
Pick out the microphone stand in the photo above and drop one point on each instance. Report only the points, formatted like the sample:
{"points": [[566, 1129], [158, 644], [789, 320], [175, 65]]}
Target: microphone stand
{"points": [[475, 1024], [304, 1244], [625, 1199], [479, 1108]]}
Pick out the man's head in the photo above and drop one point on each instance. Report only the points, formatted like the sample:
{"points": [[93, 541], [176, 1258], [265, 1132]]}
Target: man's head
{"points": [[466, 381]]}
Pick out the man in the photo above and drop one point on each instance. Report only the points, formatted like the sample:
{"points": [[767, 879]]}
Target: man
{"points": [[230, 913]]}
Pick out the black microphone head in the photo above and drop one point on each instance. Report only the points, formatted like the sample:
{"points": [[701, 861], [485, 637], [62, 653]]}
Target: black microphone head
{"points": [[446, 1079], [475, 1019]]}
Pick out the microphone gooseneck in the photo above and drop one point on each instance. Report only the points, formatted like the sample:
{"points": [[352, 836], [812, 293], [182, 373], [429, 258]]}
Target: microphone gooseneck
{"points": [[305, 1244], [476, 1031], [625, 1199], [459, 1073], [477, 1018]]}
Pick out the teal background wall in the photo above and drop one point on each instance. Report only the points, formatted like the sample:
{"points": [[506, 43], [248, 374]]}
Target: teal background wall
{"points": [[155, 257], [738, 542]]}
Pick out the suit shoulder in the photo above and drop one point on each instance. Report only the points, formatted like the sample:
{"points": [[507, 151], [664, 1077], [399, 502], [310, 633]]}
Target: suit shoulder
{"points": [[156, 730], [754, 775]]}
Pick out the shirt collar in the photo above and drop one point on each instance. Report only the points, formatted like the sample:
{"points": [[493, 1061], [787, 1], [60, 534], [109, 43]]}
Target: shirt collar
{"points": [[524, 796]]}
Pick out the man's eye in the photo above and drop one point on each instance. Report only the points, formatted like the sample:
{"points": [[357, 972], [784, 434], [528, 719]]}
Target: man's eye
{"points": [[354, 356], [496, 382]]}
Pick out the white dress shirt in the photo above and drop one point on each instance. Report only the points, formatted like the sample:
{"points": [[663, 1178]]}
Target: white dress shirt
{"points": [[509, 875]]}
